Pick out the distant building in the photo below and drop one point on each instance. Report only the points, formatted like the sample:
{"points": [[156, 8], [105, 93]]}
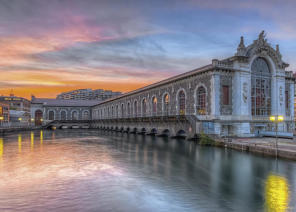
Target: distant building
{"points": [[45, 110], [4, 113], [88, 94], [19, 108]]}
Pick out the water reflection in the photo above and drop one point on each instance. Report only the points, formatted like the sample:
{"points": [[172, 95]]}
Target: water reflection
{"points": [[41, 137], [276, 193], [1, 147], [32, 140], [19, 139], [87, 170]]}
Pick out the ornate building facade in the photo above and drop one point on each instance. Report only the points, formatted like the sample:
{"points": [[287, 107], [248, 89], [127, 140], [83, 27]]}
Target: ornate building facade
{"points": [[235, 96]]}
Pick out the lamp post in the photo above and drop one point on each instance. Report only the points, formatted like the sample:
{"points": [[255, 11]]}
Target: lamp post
{"points": [[276, 119]]}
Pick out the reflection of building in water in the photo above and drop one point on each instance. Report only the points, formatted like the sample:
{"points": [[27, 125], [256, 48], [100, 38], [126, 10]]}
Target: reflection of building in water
{"points": [[32, 140], [276, 194], [41, 137], [19, 142], [1, 147]]}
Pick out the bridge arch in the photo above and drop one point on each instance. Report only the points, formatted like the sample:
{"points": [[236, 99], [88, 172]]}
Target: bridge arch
{"points": [[181, 101]]}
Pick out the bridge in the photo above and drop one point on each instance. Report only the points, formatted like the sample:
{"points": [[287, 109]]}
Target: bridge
{"points": [[67, 124], [169, 126]]}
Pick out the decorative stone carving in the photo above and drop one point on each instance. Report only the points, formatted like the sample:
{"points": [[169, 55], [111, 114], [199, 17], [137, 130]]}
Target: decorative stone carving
{"points": [[281, 95], [260, 47], [245, 92]]}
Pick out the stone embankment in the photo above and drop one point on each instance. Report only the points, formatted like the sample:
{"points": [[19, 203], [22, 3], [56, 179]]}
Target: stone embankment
{"points": [[16, 129], [286, 148]]}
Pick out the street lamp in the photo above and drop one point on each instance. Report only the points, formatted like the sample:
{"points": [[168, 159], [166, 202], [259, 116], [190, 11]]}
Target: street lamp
{"points": [[276, 120]]}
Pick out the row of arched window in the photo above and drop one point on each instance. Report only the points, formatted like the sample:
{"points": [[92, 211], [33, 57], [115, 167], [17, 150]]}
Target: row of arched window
{"points": [[131, 109], [63, 115]]}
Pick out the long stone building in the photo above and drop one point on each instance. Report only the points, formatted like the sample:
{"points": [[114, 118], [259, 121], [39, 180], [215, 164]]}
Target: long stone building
{"points": [[234, 96]]}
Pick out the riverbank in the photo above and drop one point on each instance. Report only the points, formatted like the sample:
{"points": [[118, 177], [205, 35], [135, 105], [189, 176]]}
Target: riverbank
{"points": [[265, 146], [17, 129]]}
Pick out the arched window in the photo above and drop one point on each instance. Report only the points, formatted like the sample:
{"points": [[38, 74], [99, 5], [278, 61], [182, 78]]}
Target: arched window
{"points": [[136, 108], [201, 100], [51, 115], [108, 112], [63, 115], [112, 111], [144, 107], [166, 102], [128, 109], [85, 115], [116, 111], [122, 110], [38, 117], [74, 115], [154, 106], [260, 88], [181, 102]]}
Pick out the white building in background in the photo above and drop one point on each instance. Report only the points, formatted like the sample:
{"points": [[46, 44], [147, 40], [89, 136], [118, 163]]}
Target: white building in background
{"points": [[88, 94]]}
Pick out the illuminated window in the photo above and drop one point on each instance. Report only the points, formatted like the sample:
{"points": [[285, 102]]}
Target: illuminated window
{"points": [[201, 100], [260, 88], [154, 105], [166, 101]]}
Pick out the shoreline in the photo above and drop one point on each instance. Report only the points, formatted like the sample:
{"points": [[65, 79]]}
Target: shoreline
{"points": [[286, 147], [260, 146]]}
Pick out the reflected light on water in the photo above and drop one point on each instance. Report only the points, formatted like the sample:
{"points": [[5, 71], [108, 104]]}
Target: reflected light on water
{"points": [[32, 140], [1, 147], [41, 137], [19, 139], [276, 193]]}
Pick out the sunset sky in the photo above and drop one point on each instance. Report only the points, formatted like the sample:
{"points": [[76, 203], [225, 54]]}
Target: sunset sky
{"points": [[50, 46]]}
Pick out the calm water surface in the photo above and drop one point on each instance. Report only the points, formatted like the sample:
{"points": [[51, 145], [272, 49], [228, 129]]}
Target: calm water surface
{"points": [[88, 170]]}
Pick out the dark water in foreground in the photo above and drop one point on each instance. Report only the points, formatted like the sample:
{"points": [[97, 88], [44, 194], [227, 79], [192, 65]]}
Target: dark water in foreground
{"points": [[89, 170]]}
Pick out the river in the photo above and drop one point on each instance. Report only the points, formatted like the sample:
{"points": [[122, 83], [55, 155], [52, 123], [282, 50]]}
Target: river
{"points": [[91, 170]]}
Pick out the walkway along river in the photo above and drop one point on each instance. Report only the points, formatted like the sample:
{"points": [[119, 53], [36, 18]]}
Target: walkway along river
{"points": [[90, 170]]}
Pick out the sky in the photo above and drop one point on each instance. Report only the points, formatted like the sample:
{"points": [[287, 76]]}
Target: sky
{"points": [[48, 47]]}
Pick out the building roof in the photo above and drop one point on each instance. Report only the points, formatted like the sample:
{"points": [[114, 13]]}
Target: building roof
{"points": [[65, 102]]}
